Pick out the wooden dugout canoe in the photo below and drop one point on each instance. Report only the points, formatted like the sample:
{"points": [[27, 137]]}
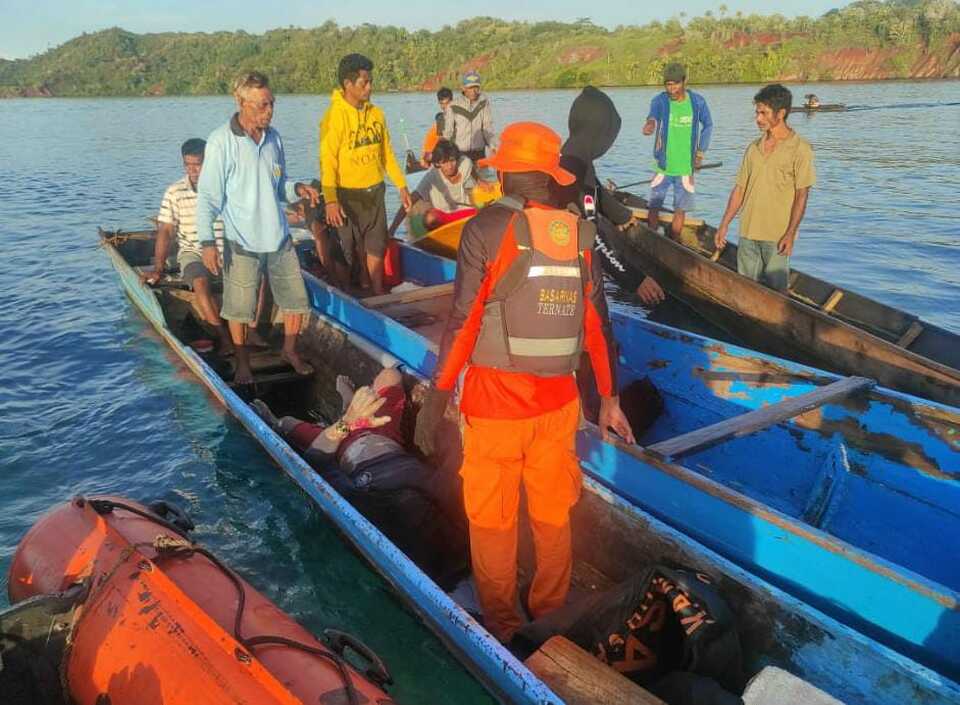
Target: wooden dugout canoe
{"points": [[713, 525], [816, 322], [822, 108]]}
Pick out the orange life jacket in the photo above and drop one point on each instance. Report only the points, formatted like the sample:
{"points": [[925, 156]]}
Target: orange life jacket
{"points": [[533, 319]]}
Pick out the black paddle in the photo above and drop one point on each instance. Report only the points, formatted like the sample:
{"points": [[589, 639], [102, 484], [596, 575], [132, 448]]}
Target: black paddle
{"points": [[712, 165]]}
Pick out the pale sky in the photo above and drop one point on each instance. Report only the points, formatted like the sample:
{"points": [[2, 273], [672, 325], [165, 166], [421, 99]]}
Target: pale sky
{"points": [[30, 27]]}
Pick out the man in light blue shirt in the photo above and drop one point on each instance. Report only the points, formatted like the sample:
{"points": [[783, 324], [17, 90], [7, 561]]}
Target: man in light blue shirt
{"points": [[244, 181]]}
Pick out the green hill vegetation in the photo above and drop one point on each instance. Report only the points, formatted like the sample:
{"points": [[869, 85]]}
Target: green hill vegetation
{"points": [[868, 39]]}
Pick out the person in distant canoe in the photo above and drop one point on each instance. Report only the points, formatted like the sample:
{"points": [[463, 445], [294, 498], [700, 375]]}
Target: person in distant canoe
{"points": [[244, 181], [528, 299], [355, 153], [178, 219], [444, 98], [446, 189], [362, 455], [468, 120], [812, 102], [594, 125], [683, 126], [773, 184]]}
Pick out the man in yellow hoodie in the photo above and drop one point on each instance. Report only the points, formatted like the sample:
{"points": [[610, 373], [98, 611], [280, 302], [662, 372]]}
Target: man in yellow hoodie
{"points": [[355, 153]]}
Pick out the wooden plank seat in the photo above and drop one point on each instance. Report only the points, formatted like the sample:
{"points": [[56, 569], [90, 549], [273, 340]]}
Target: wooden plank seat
{"points": [[580, 679], [409, 295], [263, 361], [910, 335], [832, 300], [281, 377], [757, 419]]}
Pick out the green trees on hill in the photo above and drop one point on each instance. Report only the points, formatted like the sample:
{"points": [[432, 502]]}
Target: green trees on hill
{"points": [[717, 47]]}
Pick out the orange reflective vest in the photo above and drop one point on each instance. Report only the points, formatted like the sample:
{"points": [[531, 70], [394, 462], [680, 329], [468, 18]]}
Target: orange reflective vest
{"points": [[533, 319]]}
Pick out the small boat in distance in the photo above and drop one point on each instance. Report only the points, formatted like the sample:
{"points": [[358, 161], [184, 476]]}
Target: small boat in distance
{"points": [[813, 105]]}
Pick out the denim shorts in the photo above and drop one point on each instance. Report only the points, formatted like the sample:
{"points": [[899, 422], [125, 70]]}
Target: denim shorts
{"points": [[682, 191], [242, 272], [760, 261], [192, 268]]}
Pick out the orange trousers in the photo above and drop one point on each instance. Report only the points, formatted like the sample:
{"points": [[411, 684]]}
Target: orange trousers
{"points": [[499, 455]]}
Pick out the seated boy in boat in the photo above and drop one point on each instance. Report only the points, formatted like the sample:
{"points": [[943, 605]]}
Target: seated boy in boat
{"points": [[178, 220], [444, 97], [445, 192], [363, 457], [812, 102]]}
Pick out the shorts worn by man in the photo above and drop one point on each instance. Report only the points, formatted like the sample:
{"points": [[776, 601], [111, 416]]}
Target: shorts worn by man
{"points": [[528, 298], [363, 457], [683, 127], [468, 120], [178, 217], [244, 181], [771, 192], [355, 153]]}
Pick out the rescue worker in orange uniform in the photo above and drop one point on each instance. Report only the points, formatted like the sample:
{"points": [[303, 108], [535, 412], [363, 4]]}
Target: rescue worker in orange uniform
{"points": [[528, 299]]}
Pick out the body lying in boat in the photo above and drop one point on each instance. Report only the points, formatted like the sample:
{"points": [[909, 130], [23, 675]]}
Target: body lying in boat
{"points": [[363, 457]]}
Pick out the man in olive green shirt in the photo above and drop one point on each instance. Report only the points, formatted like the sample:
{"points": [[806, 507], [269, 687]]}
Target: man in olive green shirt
{"points": [[772, 187]]}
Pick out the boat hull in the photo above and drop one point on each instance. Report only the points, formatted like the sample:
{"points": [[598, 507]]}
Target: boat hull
{"points": [[621, 534], [157, 625]]}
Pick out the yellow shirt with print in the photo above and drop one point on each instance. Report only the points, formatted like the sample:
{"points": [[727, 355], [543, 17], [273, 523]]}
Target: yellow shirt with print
{"points": [[355, 149]]}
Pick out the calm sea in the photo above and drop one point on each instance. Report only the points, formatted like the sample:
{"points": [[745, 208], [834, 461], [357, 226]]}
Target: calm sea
{"points": [[90, 401]]}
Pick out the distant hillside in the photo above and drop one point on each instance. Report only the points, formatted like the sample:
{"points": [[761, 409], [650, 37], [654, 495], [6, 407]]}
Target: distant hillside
{"points": [[865, 40]]}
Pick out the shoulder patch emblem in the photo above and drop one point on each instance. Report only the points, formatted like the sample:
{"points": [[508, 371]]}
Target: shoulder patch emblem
{"points": [[559, 233]]}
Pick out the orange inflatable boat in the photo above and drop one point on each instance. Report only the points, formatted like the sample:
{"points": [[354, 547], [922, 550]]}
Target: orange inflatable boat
{"points": [[161, 621]]}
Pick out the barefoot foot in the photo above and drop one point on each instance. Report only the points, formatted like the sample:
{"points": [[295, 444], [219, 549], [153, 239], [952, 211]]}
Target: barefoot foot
{"points": [[297, 363], [263, 411], [255, 340]]}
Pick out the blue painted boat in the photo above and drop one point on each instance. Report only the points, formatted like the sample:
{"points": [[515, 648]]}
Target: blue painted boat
{"points": [[839, 616], [876, 470]]}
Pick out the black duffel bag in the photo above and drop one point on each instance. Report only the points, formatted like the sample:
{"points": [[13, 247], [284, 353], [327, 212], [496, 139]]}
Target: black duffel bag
{"points": [[666, 629]]}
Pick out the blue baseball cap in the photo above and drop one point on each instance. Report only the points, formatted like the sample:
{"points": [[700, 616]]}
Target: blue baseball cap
{"points": [[471, 78]]}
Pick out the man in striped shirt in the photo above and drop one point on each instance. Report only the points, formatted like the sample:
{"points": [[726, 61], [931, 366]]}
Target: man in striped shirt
{"points": [[178, 216]]}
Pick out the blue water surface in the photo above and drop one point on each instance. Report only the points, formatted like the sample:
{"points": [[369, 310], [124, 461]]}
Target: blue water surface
{"points": [[91, 401]]}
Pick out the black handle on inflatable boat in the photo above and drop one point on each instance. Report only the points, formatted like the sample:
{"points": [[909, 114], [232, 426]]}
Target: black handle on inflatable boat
{"points": [[173, 513], [376, 671], [105, 506]]}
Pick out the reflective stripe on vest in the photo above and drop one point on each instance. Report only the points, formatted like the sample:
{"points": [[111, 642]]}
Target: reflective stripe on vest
{"points": [[533, 319], [543, 346], [554, 271]]}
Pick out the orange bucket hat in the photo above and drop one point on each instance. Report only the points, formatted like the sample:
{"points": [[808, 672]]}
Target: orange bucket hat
{"points": [[529, 146]]}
